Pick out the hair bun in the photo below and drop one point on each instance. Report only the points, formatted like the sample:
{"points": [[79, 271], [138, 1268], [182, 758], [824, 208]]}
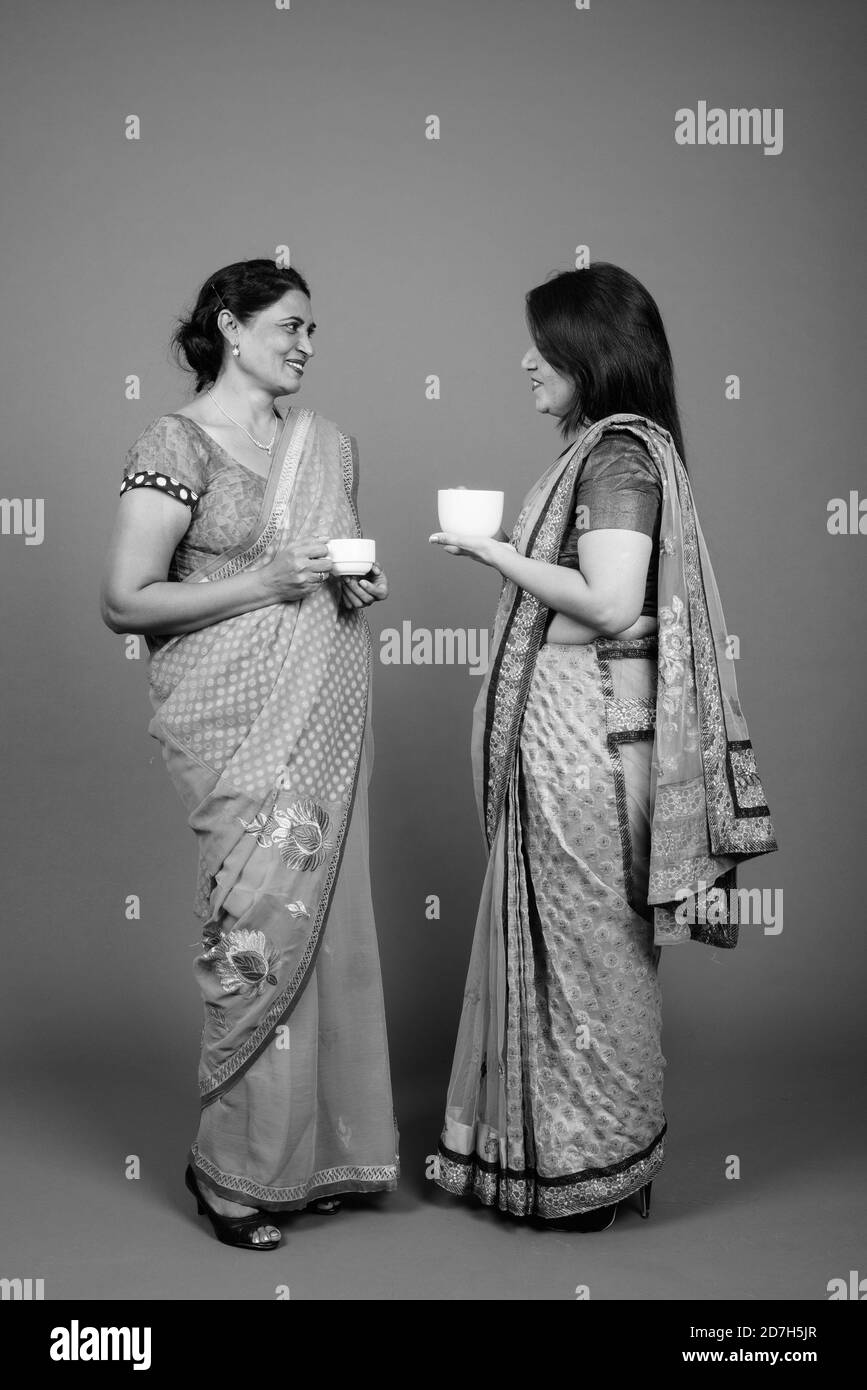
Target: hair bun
{"points": [[243, 289]]}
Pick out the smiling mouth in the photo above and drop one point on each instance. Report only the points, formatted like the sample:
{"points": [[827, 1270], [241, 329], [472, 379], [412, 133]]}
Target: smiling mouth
{"points": [[534, 384], [298, 366]]}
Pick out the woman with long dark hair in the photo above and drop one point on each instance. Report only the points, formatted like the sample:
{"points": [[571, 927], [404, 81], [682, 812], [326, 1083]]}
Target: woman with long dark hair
{"points": [[260, 684], [615, 779]]}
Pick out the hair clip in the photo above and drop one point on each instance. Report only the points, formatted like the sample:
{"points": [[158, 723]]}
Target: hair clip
{"points": [[282, 258]]}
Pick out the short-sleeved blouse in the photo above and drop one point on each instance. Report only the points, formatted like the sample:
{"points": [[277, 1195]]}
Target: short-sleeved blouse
{"points": [[176, 456], [619, 489]]}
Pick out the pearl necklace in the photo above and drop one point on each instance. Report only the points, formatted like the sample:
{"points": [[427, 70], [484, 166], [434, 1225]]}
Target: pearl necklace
{"points": [[266, 448]]}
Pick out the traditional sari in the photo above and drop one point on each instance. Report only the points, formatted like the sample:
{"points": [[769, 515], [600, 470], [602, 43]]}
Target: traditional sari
{"points": [[617, 788], [264, 722]]}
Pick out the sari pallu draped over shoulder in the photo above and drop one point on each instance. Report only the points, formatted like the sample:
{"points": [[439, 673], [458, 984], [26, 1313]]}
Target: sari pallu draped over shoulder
{"points": [[261, 719], [708, 811]]}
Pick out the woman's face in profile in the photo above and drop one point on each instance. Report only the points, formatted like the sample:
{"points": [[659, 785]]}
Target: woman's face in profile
{"points": [[276, 344], [552, 393]]}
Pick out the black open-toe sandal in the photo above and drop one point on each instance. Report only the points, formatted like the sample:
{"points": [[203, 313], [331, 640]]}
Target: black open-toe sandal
{"points": [[232, 1230]]}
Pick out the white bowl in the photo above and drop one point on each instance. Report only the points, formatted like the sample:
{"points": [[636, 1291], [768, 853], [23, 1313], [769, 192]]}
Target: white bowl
{"points": [[351, 555], [470, 511]]}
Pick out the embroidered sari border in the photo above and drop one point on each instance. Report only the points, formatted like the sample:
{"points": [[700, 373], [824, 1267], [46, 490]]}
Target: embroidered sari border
{"points": [[503, 714], [340, 1178], [562, 1179], [524, 1192], [349, 462], [734, 748]]}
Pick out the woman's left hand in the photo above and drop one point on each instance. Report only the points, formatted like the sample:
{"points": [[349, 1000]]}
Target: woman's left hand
{"points": [[359, 593], [485, 549]]}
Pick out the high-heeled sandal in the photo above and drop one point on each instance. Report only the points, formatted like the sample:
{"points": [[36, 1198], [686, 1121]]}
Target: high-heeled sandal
{"points": [[601, 1218], [231, 1230]]}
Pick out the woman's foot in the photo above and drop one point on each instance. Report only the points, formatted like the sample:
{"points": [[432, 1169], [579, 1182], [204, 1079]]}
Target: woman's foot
{"points": [[327, 1206], [261, 1236], [225, 1208]]}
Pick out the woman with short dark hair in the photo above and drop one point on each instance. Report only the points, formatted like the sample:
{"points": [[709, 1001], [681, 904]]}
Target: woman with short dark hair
{"points": [[614, 775], [260, 684]]}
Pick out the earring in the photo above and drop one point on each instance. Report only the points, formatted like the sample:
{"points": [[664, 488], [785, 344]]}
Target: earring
{"points": [[236, 351]]}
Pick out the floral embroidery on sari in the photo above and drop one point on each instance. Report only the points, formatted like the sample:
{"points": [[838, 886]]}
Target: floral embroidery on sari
{"points": [[216, 1014], [244, 962], [300, 832], [675, 650]]}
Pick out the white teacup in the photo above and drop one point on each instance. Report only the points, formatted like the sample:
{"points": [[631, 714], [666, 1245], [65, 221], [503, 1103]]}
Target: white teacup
{"points": [[470, 511], [351, 556]]}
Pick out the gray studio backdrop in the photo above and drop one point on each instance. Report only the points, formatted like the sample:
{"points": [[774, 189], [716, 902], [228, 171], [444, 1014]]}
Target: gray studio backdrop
{"points": [[308, 126]]}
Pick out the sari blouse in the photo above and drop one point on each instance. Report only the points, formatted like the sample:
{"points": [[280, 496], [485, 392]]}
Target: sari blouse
{"points": [[176, 456], [618, 489]]}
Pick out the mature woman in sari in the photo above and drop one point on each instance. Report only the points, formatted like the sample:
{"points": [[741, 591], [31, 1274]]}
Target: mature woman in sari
{"points": [[260, 685], [614, 777]]}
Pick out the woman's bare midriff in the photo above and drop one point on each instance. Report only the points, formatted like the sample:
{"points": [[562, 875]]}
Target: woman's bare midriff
{"points": [[570, 632]]}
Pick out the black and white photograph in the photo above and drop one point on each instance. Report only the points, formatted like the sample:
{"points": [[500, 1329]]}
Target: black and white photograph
{"points": [[432, 541]]}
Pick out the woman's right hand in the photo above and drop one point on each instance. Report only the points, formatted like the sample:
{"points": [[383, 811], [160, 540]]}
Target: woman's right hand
{"points": [[298, 571]]}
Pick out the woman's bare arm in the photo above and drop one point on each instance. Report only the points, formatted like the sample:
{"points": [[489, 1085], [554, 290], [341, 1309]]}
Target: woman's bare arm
{"points": [[136, 595], [606, 595]]}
